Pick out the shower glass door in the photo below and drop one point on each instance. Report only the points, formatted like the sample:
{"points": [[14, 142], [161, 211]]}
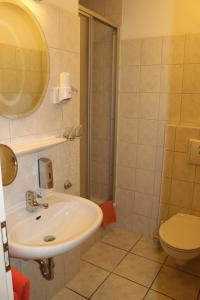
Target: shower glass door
{"points": [[98, 108]]}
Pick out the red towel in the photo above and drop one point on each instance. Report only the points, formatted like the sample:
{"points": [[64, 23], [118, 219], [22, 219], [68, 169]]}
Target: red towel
{"points": [[15, 296], [21, 286], [109, 215]]}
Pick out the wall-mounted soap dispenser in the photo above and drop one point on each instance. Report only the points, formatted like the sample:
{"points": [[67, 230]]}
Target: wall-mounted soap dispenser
{"points": [[45, 171]]}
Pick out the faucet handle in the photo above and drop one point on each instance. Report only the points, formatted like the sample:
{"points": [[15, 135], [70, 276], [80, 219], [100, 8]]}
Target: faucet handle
{"points": [[38, 195]]}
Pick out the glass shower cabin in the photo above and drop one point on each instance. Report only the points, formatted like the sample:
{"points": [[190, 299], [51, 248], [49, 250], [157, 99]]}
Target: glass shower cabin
{"points": [[98, 105]]}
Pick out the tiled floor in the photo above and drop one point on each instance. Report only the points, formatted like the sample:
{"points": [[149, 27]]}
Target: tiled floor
{"points": [[127, 266]]}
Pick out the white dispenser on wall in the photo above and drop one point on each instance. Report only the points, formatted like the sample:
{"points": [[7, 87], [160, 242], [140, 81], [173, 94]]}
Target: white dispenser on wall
{"points": [[64, 92], [45, 170], [65, 88]]}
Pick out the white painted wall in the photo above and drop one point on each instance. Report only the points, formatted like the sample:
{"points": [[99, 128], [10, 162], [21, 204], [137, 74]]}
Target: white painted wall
{"points": [[150, 18], [70, 5]]}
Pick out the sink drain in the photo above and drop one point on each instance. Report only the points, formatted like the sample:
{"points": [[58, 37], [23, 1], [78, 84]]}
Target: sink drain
{"points": [[49, 238]]}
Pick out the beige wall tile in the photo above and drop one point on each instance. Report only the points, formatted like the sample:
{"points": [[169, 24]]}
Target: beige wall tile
{"points": [[127, 154], [141, 224], [147, 132], [128, 130], [197, 175], [183, 134], [130, 52], [181, 193], [170, 137], [142, 204], [157, 183], [159, 159], [70, 23], [126, 178], [173, 210], [129, 105], [124, 201], [144, 181], [164, 212], [161, 133], [166, 190], [170, 107], [151, 51], [190, 108], [168, 163], [171, 79], [146, 157], [192, 52], [196, 198], [129, 79], [150, 79], [191, 75], [173, 50], [149, 106], [49, 17], [182, 170]]}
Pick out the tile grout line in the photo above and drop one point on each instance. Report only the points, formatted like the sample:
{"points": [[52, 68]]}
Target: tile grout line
{"points": [[112, 272], [76, 292], [162, 265], [127, 252]]}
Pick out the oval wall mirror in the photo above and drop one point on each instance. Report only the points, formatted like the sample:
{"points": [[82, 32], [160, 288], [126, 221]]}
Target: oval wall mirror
{"points": [[9, 165], [24, 61]]}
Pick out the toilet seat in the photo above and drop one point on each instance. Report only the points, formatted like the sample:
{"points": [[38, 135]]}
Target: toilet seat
{"points": [[181, 232]]}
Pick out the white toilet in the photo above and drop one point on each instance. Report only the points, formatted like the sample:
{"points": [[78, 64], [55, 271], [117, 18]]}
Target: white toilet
{"points": [[180, 237]]}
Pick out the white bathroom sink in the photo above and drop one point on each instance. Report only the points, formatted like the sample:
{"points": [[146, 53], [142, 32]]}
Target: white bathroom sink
{"points": [[69, 219]]}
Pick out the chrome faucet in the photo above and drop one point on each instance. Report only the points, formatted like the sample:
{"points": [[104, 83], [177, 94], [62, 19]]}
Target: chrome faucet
{"points": [[31, 201]]}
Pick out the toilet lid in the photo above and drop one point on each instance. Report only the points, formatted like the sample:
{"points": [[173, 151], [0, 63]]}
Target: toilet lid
{"points": [[181, 231]]}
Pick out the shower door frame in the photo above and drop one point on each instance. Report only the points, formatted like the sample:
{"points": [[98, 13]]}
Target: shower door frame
{"points": [[91, 15]]}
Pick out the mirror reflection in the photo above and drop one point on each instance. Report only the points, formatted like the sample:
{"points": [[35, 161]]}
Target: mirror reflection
{"points": [[9, 165], [23, 61]]}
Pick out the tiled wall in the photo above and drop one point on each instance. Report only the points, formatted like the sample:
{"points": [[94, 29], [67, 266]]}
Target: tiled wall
{"points": [[180, 183], [61, 29], [49, 119], [159, 84]]}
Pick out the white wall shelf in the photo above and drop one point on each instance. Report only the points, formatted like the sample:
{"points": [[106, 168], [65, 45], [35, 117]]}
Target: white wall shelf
{"points": [[37, 145]]}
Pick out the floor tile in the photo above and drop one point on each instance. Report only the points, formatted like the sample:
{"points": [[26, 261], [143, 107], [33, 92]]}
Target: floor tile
{"points": [[193, 266], [87, 280], [117, 288], [138, 269], [121, 238], [177, 284], [67, 294], [148, 248], [104, 256], [155, 296]]}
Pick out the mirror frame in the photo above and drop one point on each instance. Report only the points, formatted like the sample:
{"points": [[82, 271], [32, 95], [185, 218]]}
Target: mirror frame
{"points": [[43, 37], [15, 163]]}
